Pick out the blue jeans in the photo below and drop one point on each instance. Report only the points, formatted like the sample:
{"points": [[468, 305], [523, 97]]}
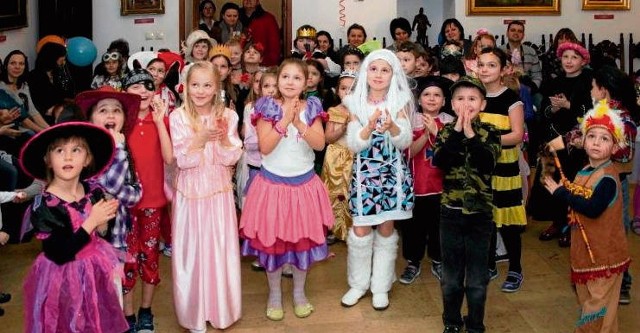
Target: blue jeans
{"points": [[9, 176], [464, 241]]}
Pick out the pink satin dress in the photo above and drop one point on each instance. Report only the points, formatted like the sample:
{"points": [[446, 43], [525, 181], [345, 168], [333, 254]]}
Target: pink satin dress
{"points": [[206, 256]]}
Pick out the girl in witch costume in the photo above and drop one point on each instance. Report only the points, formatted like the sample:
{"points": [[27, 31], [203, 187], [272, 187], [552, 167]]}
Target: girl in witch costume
{"points": [[73, 284], [599, 251]]}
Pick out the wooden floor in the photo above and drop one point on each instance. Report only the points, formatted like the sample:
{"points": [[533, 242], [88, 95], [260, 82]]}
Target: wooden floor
{"points": [[545, 303]]}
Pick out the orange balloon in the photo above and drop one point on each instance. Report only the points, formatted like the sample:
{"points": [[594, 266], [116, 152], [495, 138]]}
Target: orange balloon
{"points": [[49, 39]]}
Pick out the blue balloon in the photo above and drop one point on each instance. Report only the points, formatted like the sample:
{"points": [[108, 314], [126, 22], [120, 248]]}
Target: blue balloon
{"points": [[81, 51]]}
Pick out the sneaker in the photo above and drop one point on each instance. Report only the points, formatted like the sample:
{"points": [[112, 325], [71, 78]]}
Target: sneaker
{"points": [[564, 240], [132, 324], [410, 274], [513, 282], [493, 274], [452, 329], [625, 297], [436, 270], [145, 323], [167, 251], [502, 258]]}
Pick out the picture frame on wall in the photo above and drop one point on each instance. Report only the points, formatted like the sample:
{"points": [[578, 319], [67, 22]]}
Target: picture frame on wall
{"points": [[13, 14], [513, 7], [141, 7], [606, 4]]}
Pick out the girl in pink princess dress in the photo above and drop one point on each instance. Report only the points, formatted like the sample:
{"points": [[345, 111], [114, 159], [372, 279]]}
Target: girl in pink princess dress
{"points": [[287, 211], [206, 254]]}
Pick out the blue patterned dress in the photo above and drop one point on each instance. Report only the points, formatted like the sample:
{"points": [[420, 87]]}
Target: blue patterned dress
{"points": [[382, 185]]}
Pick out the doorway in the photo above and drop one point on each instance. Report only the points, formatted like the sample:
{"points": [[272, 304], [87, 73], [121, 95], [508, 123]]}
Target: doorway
{"points": [[281, 9]]}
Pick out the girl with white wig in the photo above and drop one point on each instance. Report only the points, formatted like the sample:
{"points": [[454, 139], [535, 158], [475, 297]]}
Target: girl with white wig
{"points": [[381, 190]]}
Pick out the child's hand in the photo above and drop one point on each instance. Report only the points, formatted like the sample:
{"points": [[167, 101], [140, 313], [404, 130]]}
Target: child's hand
{"points": [[430, 124], [117, 136], [159, 110], [466, 125], [101, 212], [387, 122], [460, 121], [373, 119], [550, 184], [4, 238]]}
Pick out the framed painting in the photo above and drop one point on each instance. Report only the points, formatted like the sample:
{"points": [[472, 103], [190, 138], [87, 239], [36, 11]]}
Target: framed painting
{"points": [[141, 7], [513, 7], [13, 14], [606, 4]]}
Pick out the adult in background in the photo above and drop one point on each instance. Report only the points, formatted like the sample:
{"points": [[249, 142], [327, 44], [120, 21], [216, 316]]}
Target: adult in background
{"points": [[400, 31], [523, 57], [264, 29], [551, 64], [48, 82], [453, 32], [229, 24], [327, 45], [208, 24]]}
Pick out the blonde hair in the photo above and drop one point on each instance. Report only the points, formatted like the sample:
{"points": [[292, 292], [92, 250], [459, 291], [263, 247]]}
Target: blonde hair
{"points": [[189, 107], [265, 74]]}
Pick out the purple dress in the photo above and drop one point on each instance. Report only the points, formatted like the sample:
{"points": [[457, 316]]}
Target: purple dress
{"points": [[71, 287]]}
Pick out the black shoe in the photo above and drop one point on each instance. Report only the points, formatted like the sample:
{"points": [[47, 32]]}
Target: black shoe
{"points": [[1, 312], [625, 297], [5, 297], [452, 329], [564, 240]]}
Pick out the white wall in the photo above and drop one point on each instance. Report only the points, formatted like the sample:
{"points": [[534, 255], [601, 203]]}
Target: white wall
{"points": [[374, 15], [572, 16], [108, 25], [23, 39]]}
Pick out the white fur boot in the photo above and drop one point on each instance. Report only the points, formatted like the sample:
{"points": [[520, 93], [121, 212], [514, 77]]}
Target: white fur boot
{"points": [[358, 267], [385, 251]]}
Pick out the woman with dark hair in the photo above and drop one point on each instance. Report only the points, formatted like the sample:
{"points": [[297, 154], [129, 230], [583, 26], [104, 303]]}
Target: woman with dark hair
{"points": [[208, 24], [327, 46], [356, 36], [551, 65], [400, 30], [229, 24], [50, 83], [452, 31], [14, 92]]}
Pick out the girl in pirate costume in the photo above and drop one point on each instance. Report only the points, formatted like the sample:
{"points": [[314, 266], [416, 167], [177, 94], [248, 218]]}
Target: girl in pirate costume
{"points": [[599, 252]]}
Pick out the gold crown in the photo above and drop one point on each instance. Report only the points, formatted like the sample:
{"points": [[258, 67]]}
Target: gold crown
{"points": [[309, 32], [220, 49]]}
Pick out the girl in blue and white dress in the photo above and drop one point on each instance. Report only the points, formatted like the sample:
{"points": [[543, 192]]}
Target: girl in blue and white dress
{"points": [[381, 190]]}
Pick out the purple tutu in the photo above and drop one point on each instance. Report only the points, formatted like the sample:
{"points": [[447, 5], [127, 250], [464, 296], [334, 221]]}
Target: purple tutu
{"points": [[78, 296]]}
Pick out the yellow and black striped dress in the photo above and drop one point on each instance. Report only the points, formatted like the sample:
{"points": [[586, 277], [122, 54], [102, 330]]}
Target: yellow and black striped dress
{"points": [[506, 181]]}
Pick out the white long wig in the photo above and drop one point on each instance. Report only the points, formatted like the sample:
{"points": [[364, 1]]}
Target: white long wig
{"points": [[398, 97]]}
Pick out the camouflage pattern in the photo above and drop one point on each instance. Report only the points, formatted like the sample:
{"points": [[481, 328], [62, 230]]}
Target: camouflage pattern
{"points": [[468, 165]]}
